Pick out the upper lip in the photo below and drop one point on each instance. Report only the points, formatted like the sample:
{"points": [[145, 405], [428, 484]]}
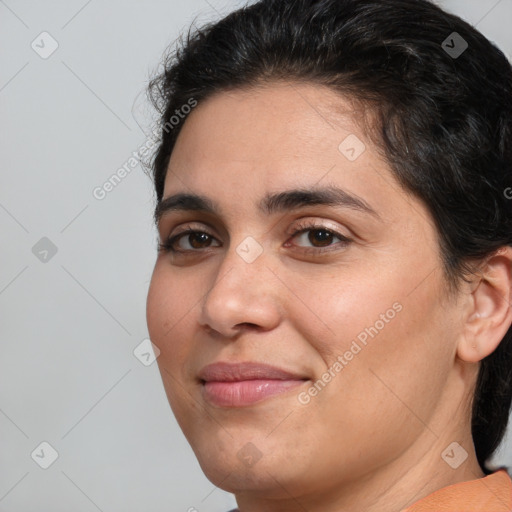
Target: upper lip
{"points": [[231, 372]]}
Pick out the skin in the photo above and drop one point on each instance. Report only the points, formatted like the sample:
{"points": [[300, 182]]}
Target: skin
{"points": [[373, 437]]}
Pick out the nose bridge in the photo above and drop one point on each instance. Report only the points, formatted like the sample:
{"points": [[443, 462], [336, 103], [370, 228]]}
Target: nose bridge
{"points": [[241, 270], [237, 296]]}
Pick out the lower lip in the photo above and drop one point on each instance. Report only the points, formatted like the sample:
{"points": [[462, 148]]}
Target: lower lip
{"points": [[245, 392]]}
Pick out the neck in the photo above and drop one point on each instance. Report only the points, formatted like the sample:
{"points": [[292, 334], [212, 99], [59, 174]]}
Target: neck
{"points": [[415, 474]]}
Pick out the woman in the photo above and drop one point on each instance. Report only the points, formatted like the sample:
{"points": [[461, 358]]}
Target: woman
{"points": [[332, 294]]}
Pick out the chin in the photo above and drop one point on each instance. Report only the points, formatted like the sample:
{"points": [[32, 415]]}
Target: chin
{"points": [[239, 465], [236, 478]]}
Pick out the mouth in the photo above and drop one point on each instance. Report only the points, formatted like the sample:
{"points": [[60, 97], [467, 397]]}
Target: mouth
{"points": [[243, 384]]}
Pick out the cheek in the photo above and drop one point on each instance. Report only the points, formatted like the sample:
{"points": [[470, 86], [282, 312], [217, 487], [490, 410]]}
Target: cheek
{"points": [[170, 306], [395, 343], [397, 348], [356, 311]]}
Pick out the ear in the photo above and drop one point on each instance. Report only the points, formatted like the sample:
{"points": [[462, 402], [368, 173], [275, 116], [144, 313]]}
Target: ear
{"points": [[489, 313]]}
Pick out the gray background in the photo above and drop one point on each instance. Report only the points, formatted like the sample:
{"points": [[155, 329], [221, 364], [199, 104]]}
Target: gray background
{"points": [[69, 324]]}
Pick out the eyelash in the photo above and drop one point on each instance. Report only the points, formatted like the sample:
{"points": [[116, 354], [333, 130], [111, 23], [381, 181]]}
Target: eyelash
{"points": [[168, 245]]}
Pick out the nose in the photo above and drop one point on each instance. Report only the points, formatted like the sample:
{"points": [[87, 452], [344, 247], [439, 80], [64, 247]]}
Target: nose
{"points": [[242, 293]]}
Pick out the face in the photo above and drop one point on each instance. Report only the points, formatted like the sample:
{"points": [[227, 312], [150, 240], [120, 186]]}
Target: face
{"points": [[326, 316]]}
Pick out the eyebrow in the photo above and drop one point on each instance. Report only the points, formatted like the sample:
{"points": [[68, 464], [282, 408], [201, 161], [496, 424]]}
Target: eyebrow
{"points": [[271, 203]]}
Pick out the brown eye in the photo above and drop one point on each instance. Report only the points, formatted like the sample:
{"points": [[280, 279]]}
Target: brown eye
{"points": [[318, 237], [321, 237], [195, 239]]}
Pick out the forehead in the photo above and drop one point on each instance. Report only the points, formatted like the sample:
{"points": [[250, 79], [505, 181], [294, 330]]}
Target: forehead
{"points": [[284, 116], [239, 145]]}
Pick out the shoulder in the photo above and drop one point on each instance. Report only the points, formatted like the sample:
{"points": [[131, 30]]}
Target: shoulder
{"points": [[493, 492]]}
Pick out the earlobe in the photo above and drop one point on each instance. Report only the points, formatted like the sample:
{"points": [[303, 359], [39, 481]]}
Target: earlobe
{"points": [[490, 313]]}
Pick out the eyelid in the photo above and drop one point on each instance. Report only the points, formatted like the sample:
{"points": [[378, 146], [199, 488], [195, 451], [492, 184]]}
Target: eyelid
{"points": [[191, 226], [310, 225], [292, 230], [304, 225], [295, 230]]}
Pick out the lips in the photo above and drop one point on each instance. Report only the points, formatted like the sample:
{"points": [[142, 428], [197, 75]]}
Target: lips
{"points": [[230, 372], [242, 384]]}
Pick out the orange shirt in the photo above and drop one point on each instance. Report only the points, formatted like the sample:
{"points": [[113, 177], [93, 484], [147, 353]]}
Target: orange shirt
{"points": [[492, 493]]}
